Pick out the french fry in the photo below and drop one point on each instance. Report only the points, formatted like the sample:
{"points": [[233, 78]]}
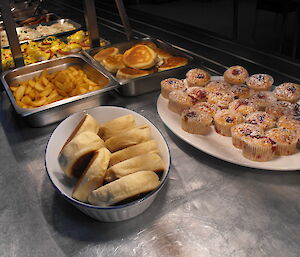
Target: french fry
{"points": [[46, 92], [26, 100], [27, 90], [39, 102], [20, 92], [38, 86], [13, 88]]}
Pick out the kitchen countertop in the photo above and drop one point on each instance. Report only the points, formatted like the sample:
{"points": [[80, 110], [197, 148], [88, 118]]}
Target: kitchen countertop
{"points": [[207, 208]]}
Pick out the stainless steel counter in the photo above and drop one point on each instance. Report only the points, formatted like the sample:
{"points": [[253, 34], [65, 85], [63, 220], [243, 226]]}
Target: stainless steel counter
{"points": [[207, 208]]}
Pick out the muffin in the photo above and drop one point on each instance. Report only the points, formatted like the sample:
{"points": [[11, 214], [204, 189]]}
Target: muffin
{"points": [[263, 99], [221, 99], [225, 119], [287, 92], [244, 129], [236, 75], [261, 119], [289, 122], [169, 85], [285, 139], [217, 86], [280, 108], [243, 106], [197, 78], [196, 122], [258, 148], [207, 107], [260, 82], [296, 109], [179, 100], [241, 91], [197, 94]]}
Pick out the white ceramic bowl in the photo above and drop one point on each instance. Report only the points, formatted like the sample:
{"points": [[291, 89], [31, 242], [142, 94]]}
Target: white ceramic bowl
{"points": [[65, 186]]}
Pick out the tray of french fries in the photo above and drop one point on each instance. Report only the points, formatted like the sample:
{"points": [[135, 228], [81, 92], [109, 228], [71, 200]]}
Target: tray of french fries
{"points": [[49, 91]]}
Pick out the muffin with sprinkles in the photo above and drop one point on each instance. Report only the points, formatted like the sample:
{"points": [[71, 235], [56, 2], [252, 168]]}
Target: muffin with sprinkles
{"points": [[280, 108], [241, 91], [169, 85], [196, 122], [296, 110], [243, 106], [225, 119], [260, 82], [285, 139], [261, 119], [207, 107], [244, 129], [289, 122], [197, 78], [217, 86], [263, 99], [197, 94], [258, 148], [236, 75], [221, 99], [287, 92], [179, 101]]}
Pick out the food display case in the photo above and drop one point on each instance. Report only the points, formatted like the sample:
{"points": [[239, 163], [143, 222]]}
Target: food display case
{"points": [[210, 201]]}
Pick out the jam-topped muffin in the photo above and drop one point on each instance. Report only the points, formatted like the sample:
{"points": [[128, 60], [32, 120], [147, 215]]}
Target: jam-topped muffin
{"points": [[243, 106], [241, 91], [286, 140], [197, 94], [261, 119], [169, 85], [243, 129], [296, 110], [225, 119], [179, 101], [287, 92], [280, 108], [217, 86], [197, 78], [221, 99], [260, 82], [236, 75], [289, 122], [207, 107], [263, 99]]}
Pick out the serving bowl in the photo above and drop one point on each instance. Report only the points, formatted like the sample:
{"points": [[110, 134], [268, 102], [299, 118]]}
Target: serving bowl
{"points": [[65, 185]]}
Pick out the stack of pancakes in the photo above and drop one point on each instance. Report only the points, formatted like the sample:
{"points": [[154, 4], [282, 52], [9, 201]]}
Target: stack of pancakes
{"points": [[140, 60]]}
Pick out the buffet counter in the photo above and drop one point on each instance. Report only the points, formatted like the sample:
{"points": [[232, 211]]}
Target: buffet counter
{"points": [[208, 207]]}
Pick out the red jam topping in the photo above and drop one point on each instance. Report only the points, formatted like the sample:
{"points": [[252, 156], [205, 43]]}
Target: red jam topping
{"points": [[236, 72]]}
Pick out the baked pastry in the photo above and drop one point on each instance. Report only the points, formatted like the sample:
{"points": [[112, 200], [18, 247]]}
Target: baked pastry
{"points": [[116, 126], [243, 106], [197, 78], [287, 92], [93, 176], [148, 43], [102, 54], [217, 86], [221, 99], [206, 107], [198, 94], [195, 121], [140, 57], [124, 188], [225, 119], [171, 84], [132, 151], [179, 100], [263, 99], [129, 73], [162, 55], [128, 138], [285, 139], [113, 63], [241, 91], [147, 161], [76, 154], [235, 75], [261, 119], [260, 82], [173, 62], [296, 109], [244, 129], [258, 148], [280, 108], [289, 122]]}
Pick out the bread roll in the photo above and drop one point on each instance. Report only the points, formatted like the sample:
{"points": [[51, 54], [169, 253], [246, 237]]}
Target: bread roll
{"points": [[148, 161], [93, 176], [76, 154], [116, 126], [131, 137], [132, 151], [124, 188]]}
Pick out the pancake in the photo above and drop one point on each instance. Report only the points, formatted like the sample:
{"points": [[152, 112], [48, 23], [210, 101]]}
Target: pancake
{"points": [[113, 63], [173, 62], [148, 43], [162, 55], [140, 57], [129, 73], [105, 53]]}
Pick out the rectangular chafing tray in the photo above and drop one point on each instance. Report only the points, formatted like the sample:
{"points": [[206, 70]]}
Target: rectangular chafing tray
{"points": [[57, 111], [150, 82]]}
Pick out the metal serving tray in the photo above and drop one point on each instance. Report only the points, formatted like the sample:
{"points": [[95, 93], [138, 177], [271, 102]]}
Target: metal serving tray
{"points": [[49, 17], [57, 111], [150, 82]]}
